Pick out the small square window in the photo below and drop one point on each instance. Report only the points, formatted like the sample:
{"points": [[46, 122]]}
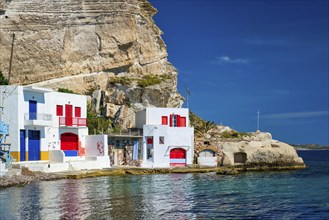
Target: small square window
{"points": [[77, 112], [59, 110], [161, 140]]}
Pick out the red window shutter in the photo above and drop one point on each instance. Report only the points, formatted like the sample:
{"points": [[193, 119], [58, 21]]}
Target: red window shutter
{"points": [[77, 112], [178, 120], [171, 120], [164, 120], [59, 110], [182, 122], [149, 140]]}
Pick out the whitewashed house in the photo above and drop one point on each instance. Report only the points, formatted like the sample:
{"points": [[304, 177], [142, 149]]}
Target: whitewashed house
{"points": [[48, 125], [168, 140]]}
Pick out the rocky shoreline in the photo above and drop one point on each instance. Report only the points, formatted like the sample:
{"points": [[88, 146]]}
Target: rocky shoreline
{"points": [[28, 177]]}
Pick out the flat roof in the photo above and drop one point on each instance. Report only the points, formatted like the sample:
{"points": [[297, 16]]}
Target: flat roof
{"points": [[37, 89]]}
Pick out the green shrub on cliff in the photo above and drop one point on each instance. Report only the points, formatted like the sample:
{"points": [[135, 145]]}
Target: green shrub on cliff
{"points": [[64, 90], [233, 134], [125, 81], [97, 124], [201, 126], [149, 80], [3, 80]]}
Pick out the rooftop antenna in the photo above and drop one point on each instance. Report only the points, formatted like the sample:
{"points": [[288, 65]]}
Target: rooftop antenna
{"points": [[188, 93], [258, 112], [11, 58]]}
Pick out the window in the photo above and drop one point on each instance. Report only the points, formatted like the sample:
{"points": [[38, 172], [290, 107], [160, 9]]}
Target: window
{"points": [[182, 122], [177, 121], [161, 140], [59, 110], [174, 120], [32, 110], [164, 120], [149, 140], [77, 112]]}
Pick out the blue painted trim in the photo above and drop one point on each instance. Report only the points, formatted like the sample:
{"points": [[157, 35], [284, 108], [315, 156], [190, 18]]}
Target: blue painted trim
{"points": [[70, 153]]}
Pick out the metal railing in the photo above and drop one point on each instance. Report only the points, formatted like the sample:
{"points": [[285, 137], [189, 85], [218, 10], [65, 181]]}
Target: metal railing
{"points": [[68, 121], [38, 116]]}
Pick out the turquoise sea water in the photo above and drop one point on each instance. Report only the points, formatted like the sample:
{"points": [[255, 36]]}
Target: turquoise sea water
{"points": [[302, 194]]}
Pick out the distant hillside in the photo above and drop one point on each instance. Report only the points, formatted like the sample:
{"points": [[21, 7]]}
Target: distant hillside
{"points": [[309, 147]]}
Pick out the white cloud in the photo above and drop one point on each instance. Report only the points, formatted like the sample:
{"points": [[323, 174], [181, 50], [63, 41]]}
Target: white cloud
{"points": [[292, 115], [228, 60]]}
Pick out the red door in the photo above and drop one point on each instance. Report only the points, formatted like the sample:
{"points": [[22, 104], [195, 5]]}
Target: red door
{"points": [[177, 157], [68, 115], [69, 141]]}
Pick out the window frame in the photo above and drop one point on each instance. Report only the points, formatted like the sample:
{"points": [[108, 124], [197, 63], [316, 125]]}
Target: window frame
{"points": [[76, 112], [59, 109], [161, 140]]}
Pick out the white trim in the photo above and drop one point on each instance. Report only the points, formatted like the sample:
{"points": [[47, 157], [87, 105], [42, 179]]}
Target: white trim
{"points": [[178, 161], [37, 89]]}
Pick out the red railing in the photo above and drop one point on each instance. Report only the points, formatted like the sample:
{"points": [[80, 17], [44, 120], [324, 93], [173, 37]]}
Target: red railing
{"points": [[66, 121]]}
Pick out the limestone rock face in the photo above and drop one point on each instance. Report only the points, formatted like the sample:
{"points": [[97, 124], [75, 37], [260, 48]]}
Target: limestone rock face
{"points": [[259, 152], [68, 37], [86, 46]]}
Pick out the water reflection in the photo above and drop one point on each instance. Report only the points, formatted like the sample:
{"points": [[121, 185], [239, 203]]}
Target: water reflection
{"points": [[72, 202], [282, 195]]}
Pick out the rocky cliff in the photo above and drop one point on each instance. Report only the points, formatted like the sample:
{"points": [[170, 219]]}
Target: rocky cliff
{"points": [[250, 150], [259, 149], [105, 47]]}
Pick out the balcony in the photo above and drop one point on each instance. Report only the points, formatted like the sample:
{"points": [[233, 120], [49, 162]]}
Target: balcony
{"points": [[71, 122], [38, 119]]}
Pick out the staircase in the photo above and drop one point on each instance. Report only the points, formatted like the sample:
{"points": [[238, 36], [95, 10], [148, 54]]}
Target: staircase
{"points": [[5, 157]]}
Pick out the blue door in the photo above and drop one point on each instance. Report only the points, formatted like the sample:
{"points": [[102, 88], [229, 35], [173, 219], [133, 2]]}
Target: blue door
{"points": [[34, 145], [32, 110], [22, 145]]}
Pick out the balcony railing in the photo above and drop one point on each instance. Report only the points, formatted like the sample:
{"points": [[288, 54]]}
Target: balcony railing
{"points": [[67, 121], [38, 116]]}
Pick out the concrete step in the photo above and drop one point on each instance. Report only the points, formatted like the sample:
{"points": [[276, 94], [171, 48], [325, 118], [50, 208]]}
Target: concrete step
{"points": [[13, 172]]}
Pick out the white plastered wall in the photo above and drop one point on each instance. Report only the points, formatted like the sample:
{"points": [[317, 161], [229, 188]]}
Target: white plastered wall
{"points": [[154, 115], [96, 145], [10, 102], [174, 137], [15, 101]]}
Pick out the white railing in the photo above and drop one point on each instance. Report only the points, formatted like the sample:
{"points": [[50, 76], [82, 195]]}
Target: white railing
{"points": [[70, 121], [38, 116]]}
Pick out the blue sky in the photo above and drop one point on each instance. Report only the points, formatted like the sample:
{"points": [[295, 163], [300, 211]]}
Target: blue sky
{"points": [[240, 56]]}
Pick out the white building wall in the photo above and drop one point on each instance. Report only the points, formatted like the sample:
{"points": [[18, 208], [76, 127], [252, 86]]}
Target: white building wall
{"points": [[97, 145], [140, 119], [174, 137], [39, 97], [154, 115], [10, 104], [58, 98], [42, 108], [82, 132], [15, 101]]}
